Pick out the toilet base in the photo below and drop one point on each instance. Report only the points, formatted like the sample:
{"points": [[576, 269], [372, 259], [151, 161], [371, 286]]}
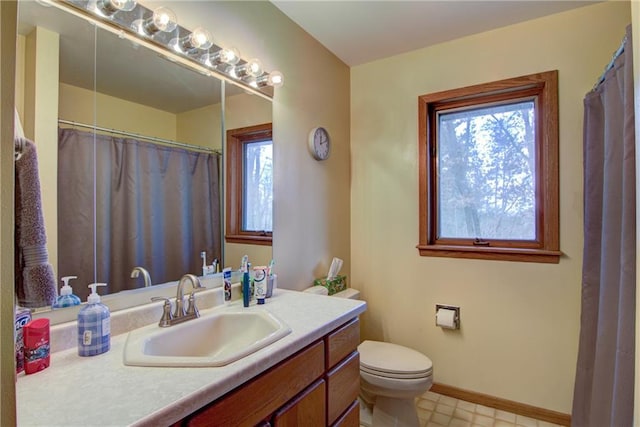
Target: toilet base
{"points": [[389, 412], [366, 413]]}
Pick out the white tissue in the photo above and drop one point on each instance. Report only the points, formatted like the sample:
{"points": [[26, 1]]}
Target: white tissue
{"points": [[446, 318], [334, 269]]}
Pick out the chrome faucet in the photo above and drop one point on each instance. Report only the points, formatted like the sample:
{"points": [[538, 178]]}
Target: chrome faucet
{"points": [[192, 310], [180, 314], [145, 275]]}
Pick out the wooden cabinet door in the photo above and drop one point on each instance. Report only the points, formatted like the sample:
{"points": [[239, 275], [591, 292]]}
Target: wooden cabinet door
{"points": [[342, 342], [351, 417], [343, 385], [255, 401], [307, 409]]}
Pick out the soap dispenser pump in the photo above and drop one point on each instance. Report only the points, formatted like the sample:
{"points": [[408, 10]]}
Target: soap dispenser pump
{"points": [[66, 297], [94, 325]]}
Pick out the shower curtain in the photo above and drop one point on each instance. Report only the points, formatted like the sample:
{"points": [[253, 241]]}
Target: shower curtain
{"points": [[603, 394], [156, 206]]}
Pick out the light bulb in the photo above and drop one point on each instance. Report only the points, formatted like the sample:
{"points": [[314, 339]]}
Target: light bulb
{"points": [[199, 39], [253, 68], [227, 57], [163, 20], [110, 7], [274, 78]]}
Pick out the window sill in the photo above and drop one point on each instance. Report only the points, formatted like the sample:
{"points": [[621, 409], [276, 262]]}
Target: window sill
{"points": [[496, 254], [249, 240]]}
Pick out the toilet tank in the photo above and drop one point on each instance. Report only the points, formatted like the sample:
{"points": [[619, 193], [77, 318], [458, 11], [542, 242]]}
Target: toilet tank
{"points": [[349, 293]]}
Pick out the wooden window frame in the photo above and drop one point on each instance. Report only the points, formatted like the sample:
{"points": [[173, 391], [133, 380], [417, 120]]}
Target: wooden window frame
{"points": [[545, 248], [236, 139]]}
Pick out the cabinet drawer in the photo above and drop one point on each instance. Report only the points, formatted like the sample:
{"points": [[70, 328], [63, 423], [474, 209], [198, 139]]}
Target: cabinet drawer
{"points": [[258, 399], [351, 417], [342, 342], [307, 409], [343, 386]]}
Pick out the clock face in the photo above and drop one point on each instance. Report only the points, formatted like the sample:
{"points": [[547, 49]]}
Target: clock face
{"points": [[319, 143]]}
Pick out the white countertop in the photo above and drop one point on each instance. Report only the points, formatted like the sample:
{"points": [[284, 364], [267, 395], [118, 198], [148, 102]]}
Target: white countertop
{"points": [[102, 391]]}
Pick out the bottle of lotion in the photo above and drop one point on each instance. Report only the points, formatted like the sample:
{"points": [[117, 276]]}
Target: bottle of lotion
{"points": [[94, 325], [66, 298]]}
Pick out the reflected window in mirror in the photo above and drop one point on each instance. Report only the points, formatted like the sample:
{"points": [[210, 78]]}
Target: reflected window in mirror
{"points": [[250, 185]]}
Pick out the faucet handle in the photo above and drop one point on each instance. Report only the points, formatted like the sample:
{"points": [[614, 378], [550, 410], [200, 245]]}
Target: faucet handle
{"points": [[191, 307], [166, 318]]}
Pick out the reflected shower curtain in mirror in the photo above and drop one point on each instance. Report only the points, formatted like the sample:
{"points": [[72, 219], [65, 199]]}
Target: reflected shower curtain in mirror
{"points": [[603, 394], [157, 207]]}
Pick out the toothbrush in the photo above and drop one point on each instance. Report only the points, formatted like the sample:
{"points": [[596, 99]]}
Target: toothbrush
{"points": [[270, 267], [244, 264], [203, 255]]}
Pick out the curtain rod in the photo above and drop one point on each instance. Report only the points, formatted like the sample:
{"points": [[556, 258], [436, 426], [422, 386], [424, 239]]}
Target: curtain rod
{"points": [[147, 138], [609, 66]]}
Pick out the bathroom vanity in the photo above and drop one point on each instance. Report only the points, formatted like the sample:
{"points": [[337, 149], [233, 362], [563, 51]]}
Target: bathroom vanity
{"points": [[316, 386], [310, 377]]}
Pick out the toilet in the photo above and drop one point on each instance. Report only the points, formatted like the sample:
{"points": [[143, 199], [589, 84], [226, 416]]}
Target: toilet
{"points": [[391, 377]]}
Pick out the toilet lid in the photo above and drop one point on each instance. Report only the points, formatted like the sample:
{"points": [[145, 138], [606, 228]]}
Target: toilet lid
{"points": [[386, 359]]}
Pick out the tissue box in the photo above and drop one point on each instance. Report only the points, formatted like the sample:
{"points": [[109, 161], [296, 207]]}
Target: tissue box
{"points": [[337, 284]]}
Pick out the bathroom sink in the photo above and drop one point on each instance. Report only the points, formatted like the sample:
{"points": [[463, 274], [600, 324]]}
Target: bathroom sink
{"points": [[217, 338]]}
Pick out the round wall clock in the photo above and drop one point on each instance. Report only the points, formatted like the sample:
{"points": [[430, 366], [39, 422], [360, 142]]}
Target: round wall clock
{"points": [[319, 143]]}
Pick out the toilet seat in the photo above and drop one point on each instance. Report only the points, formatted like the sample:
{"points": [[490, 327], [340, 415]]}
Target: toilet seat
{"points": [[393, 361]]}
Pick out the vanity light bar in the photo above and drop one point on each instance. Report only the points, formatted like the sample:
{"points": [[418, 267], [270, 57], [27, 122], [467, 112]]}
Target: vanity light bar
{"points": [[158, 30]]}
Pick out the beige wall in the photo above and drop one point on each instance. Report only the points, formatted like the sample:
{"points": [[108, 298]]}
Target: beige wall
{"points": [[80, 105], [202, 126], [520, 321], [40, 123]]}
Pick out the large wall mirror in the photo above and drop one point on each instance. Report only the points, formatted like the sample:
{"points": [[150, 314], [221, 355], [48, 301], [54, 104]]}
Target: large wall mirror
{"points": [[110, 174]]}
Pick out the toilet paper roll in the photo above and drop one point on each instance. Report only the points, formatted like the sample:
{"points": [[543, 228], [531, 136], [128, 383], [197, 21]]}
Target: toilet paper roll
{"points": [[446, 318]]}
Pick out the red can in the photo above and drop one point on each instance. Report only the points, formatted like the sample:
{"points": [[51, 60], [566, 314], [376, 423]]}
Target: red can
{"points": [[36, 345]]}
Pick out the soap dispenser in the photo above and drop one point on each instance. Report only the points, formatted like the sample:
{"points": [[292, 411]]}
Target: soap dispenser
{"points": [[94, 325], [66, 297]]}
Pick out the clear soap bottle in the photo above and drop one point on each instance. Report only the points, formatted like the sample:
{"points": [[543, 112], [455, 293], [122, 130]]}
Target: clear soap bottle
{"points": [[94, 325]]}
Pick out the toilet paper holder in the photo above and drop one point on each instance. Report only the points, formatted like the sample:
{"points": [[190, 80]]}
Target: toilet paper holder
{"points": [[446, 321]]}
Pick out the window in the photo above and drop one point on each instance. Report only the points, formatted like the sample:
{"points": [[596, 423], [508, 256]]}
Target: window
{"points": [[249, 217], [488, 171]]}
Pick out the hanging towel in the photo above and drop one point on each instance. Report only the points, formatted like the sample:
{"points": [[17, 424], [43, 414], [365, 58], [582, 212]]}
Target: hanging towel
{"points": [[35, 280]]}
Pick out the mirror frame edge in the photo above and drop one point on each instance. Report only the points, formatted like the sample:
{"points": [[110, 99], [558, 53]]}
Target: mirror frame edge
{"points": [[8, 33]]}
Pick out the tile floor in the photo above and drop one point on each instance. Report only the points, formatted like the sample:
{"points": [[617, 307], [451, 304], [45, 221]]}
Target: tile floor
{"points": [[436, 410]]}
